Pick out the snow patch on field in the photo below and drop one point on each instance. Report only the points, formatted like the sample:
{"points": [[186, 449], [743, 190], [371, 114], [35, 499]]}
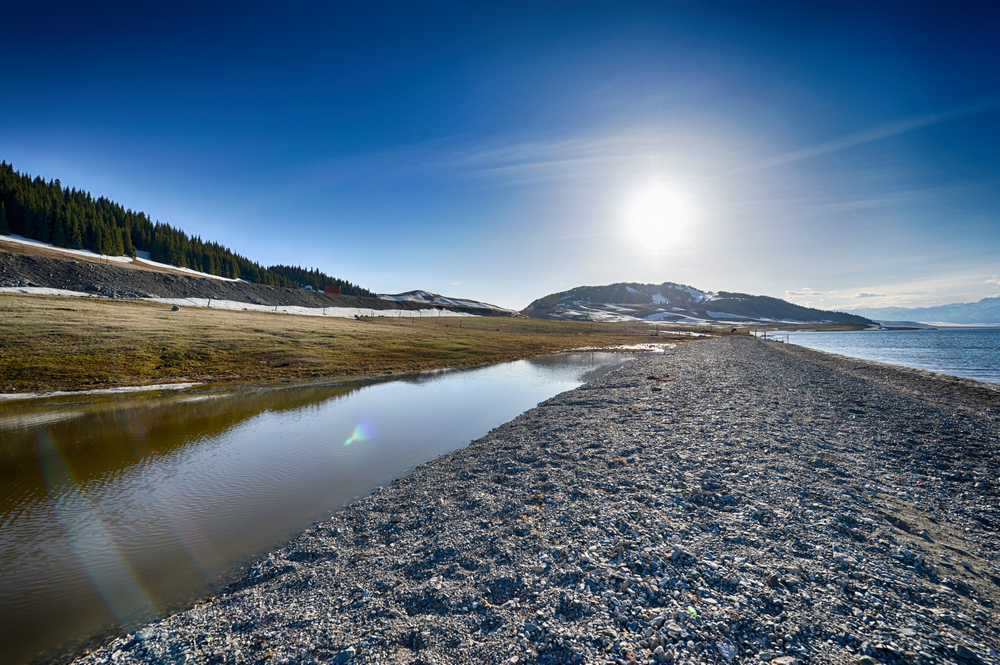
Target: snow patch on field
{"points": [[101, 391], [45, 291], [337, 312]]}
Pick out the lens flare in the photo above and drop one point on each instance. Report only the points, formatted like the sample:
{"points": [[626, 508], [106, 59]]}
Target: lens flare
{"points": [[100, 556], [364, 431]]}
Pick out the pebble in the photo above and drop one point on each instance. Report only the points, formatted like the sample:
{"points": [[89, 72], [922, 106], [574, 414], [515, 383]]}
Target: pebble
{"points": [[608, 538]]}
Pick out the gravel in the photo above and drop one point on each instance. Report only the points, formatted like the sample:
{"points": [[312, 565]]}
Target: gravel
{"points": [[732, 501]]}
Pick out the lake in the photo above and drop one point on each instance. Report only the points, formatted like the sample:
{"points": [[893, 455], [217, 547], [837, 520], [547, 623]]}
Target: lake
{"points": [[119, 509], [970, 352]]}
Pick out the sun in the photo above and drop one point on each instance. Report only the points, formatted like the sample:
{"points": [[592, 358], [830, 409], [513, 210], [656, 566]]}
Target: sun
{"points": [[657, 217]]}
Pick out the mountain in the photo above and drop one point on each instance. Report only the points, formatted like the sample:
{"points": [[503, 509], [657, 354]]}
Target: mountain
{"points": [[984, 312], [426, 298], [674, 303]]}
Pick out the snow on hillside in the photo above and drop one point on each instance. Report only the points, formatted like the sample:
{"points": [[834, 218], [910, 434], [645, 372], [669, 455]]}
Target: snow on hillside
{"points": [[142, 258], [435, 299], [672, 302]]}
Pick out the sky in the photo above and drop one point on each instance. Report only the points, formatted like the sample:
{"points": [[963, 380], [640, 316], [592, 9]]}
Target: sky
{"points": [[836, 154]]}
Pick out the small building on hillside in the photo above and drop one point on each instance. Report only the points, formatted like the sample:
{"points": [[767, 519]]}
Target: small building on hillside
{"points": [[332, 289]]}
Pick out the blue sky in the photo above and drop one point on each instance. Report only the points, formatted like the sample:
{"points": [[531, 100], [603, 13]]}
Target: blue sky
{"points": [[838, 154]]}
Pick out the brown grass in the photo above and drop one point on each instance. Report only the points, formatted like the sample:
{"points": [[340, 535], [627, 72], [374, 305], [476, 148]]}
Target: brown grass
{"points": [[57, 343]]}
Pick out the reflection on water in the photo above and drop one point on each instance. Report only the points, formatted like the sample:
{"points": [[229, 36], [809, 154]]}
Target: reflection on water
{"points": [[119, 509]]}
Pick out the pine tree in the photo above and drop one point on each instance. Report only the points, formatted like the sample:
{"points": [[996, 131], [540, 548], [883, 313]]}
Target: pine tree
{"points": [[4, 226]]}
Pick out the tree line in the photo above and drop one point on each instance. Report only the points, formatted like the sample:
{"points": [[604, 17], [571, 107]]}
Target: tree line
{"points": [[72, 218]]}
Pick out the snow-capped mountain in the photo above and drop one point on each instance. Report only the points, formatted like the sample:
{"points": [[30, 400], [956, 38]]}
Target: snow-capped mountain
{"points": [[435, 299], [983, 312], [673, 303]]}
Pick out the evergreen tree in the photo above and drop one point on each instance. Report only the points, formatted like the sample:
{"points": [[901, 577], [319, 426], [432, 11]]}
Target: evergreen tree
{"points": [[69, 217]]}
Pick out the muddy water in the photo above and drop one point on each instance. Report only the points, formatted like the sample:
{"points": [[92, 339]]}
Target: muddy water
{"points": [[115, 510]]}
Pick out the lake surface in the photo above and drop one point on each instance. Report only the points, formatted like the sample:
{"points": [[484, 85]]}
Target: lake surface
{"points": [[972, 353], [117, 510]]}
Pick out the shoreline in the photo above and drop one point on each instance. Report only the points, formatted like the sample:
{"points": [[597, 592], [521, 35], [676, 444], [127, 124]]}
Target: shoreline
{"points": [[729, 501]]}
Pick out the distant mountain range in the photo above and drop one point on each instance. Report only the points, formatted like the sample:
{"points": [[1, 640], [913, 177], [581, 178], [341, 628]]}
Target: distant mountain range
{"points": [[674, 303], [984, 312]]}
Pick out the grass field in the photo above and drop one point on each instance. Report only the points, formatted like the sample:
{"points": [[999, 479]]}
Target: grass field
{"points": [[56, 343]]}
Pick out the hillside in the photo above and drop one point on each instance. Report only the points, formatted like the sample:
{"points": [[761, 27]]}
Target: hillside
{"points": [[22, 266], [674, 303], [71, 218]]}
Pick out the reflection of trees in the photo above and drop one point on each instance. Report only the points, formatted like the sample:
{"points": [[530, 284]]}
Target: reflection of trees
{"points": [[113, 433]]}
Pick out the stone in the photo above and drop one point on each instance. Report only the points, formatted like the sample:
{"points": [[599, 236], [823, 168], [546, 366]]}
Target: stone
{"points": [[344, 656], [726, 649]]}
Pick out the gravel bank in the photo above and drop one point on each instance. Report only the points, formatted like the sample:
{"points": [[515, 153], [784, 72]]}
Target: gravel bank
{"points": [[731, 501]]}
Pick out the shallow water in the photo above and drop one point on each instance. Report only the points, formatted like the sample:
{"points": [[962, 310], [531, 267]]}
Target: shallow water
{"points": [[115, 510], [972, 353]]}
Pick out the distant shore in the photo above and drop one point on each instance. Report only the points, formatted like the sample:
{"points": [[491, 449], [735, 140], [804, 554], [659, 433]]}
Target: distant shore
{"points": [[732, 500]]}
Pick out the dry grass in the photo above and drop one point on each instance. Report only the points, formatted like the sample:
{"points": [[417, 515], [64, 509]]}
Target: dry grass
{"points": [[56, 343]]}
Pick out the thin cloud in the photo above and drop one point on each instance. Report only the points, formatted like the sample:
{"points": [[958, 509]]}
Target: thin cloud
{"points": [[994, 280], [530, 159], [869, 295], [806, 293], [973, 107]]}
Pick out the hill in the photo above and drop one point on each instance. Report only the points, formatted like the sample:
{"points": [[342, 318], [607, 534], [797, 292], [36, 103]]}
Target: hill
{"points": [[674, 303], [72, 218]]}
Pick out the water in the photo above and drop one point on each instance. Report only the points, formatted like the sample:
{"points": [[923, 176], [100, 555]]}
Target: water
{"points": [[116, 510], [971, 353]]}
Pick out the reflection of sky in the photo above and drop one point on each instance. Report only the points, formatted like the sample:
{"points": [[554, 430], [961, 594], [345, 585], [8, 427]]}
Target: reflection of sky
{"points": [[154, 532], [831, 149]]}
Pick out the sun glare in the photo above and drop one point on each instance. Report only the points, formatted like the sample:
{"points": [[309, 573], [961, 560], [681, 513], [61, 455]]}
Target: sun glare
{"points": [[657, 217]]}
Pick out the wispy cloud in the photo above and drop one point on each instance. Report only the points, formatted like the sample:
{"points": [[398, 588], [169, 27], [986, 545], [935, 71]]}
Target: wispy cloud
{"points": [[969, 108], [806, 293], [994, 280], [598, 154], [869, 295]]}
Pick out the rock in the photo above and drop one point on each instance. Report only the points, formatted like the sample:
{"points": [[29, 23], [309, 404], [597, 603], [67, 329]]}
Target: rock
{"points": [[175, 308], [726, 649], [344, 656]]}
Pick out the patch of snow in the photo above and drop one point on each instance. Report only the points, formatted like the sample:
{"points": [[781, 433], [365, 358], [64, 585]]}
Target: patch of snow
{"points": [[193, 273], [700, 296], [661, 316], [434, 299], [101, 391], [141, 257], [45, 291], [212, 303], [630, 289], [659, 299], [338, 312]]}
